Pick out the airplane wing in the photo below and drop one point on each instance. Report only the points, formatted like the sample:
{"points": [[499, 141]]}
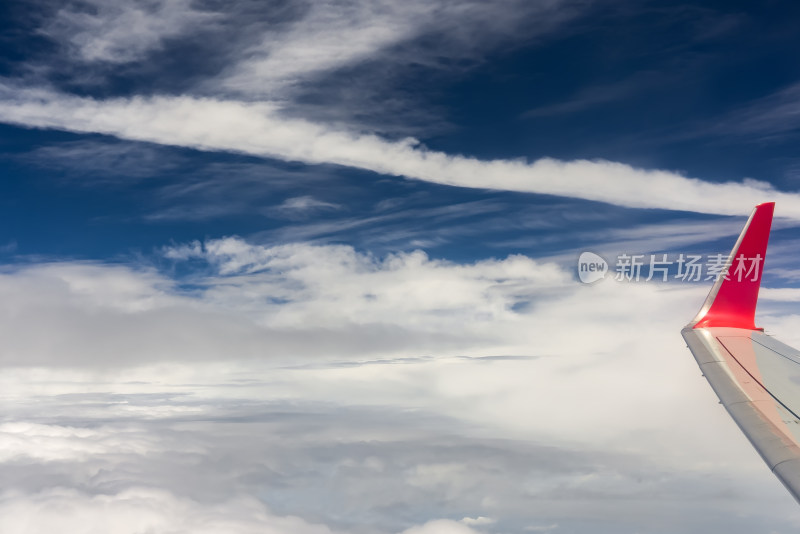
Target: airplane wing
{"points": [[756, 377]]}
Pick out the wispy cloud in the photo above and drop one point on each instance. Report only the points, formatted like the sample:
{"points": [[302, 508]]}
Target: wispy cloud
{"points": [[332, 62], [291, 52], [271, 51], [330, 35], [333, 35], [119, 32], [775, 115], [107, 162], [589, 97], [301, 207], [257, 129], [401, 227]]}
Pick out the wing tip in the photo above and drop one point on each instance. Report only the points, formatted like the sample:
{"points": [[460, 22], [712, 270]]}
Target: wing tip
{"points": [[733, 298]]}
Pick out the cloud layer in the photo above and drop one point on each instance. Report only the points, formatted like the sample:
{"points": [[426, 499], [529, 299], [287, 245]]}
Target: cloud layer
{"points": [[501, 389]]}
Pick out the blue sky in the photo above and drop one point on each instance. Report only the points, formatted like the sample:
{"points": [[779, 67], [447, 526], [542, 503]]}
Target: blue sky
{"points": [[704, 91], [310, 266]]}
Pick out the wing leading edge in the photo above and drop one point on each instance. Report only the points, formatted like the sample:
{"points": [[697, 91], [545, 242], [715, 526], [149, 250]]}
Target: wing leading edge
{"points": [[756, 377]]}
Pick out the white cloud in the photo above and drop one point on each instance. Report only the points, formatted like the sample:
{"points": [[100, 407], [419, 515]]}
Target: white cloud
{"points": [[306, 202], [331, 35], [304, 305], [299, 303], [441, 526], [271, 48], [586, 397], [140, 510], [478, 520], [333, 285], [298, 300], [258, 129], [150, 510], [780, 294], [301, 207], [325, 37], [51, 443], [118, 32]]}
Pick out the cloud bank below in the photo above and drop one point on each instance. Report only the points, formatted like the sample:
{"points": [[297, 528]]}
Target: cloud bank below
{"points": [[237, 398]]}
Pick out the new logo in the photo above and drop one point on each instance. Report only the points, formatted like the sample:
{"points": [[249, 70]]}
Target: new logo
{"points": [[591, 267]]}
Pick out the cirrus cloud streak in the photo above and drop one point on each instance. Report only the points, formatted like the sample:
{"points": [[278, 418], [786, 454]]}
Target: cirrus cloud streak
{"points": [[259, 129]]}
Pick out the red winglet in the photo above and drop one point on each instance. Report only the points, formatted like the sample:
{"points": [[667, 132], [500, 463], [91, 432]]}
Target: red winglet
{"points": [[732, 300]]}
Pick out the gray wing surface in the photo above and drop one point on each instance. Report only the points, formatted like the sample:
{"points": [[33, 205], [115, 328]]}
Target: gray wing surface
{"points": [[757, 379]]}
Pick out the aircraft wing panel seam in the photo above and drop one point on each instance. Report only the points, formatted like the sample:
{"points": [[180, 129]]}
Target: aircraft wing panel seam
{"points": [[771, 443], [756, 379]]}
